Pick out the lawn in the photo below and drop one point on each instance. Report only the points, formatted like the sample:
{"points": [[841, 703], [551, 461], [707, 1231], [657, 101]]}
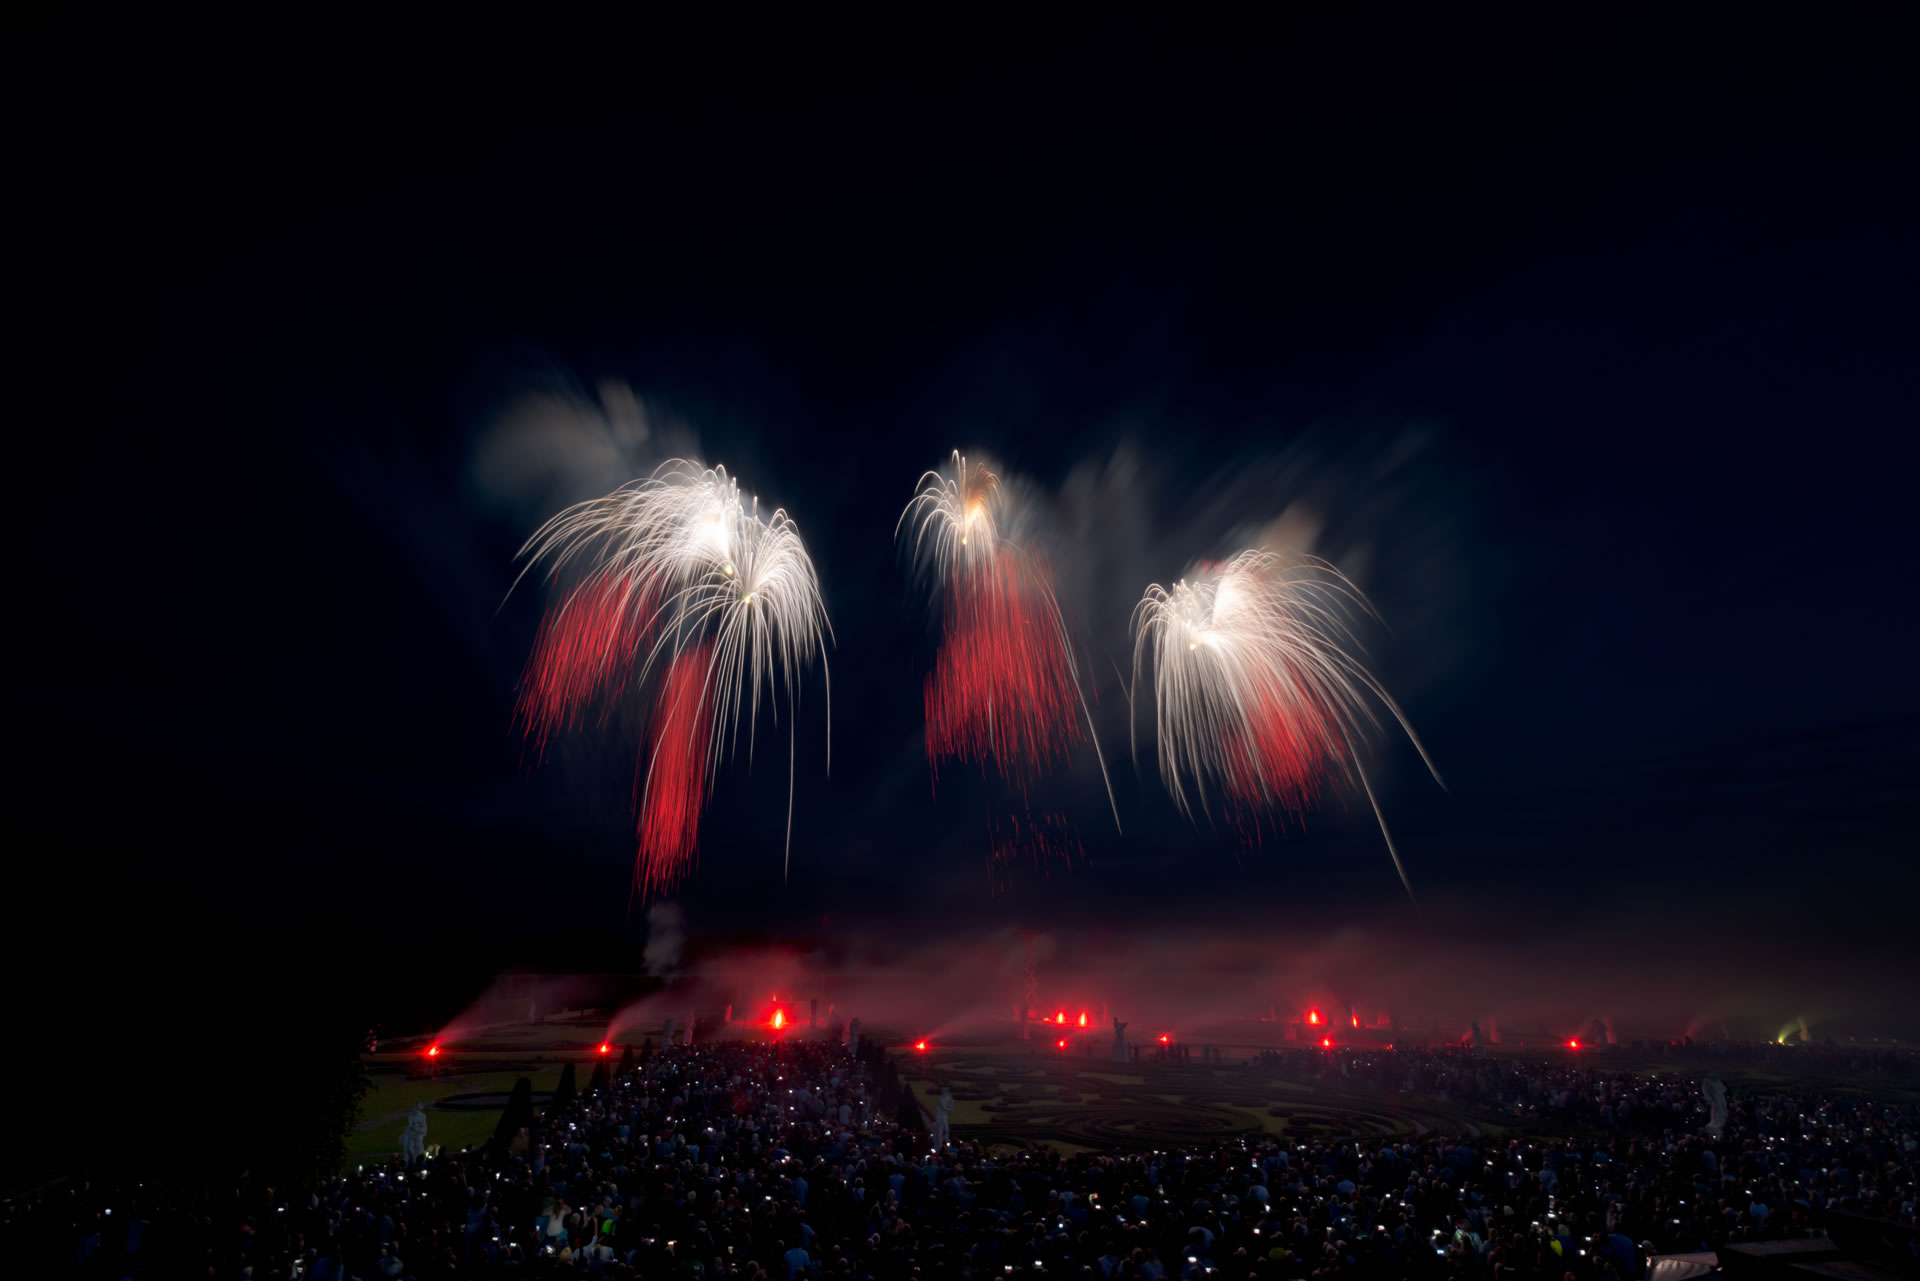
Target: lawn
{"points": [[1021, 1100], [383, 1113]]}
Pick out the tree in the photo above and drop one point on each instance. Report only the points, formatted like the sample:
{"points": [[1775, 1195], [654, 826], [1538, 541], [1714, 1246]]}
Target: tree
{"points": [[563, 1094], [295, 1084], [517, 1115]]}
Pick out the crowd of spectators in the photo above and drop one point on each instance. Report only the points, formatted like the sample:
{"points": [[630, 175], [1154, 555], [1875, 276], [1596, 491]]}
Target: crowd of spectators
{"points": [[782, 1161]]}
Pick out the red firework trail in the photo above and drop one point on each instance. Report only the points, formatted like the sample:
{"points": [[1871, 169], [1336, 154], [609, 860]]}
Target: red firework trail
{"points": [[675, 791], [1002, 686], [585, 649], [1284, 749]]}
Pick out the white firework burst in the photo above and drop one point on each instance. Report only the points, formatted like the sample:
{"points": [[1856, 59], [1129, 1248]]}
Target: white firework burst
{"points": [[960, 518], [705, 567], [1256, 693]]}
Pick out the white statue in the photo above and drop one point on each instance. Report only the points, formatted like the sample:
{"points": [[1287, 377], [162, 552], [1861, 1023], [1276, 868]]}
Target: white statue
{"points": [[1119, 1041], [1716, 1096], [942, 1133], [413, 1139]]}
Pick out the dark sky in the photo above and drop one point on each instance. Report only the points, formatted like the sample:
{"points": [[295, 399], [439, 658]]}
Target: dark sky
{"points": [[1590, 354]]}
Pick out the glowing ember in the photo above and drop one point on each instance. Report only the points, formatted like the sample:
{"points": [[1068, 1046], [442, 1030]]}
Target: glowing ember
{"points": [[1045, 840]]}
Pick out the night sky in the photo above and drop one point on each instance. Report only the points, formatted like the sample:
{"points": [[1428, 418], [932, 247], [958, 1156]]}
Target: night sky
{"points": [[1589, 355]]}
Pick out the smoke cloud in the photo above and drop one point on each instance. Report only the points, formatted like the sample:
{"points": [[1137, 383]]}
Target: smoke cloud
{"points": [[554, 447], [1233, 988], [666, 938]]}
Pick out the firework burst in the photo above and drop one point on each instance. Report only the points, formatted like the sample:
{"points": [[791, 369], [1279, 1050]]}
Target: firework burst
{"points": [[1256, 695], [1004, 687], [677, 572]]}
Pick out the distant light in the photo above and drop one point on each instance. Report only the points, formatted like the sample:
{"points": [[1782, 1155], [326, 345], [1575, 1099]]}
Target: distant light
{"points": [[1326, 1042], [1313, 1016], [1163, 1040], [1574, 1044], [433, 1051], [779, 1018], [920, 1046], [1061, 1044], [605, 1048], [1061, 1018], [1083, 1019], [1356, 1020]]}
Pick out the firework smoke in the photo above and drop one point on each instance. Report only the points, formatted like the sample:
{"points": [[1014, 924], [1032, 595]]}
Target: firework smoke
{"points": [[666, 937], [1255, 694], [678, 573]]}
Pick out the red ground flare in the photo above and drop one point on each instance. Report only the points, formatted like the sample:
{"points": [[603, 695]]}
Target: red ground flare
{"points": [[676, 777], [433, 1051], [1326, 1042], [605, 1048], [1313, 1016], [586, 648], [1002, 686], [779, 1019], [1164, 1040], [920, 1046], [1062, 1044]]}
